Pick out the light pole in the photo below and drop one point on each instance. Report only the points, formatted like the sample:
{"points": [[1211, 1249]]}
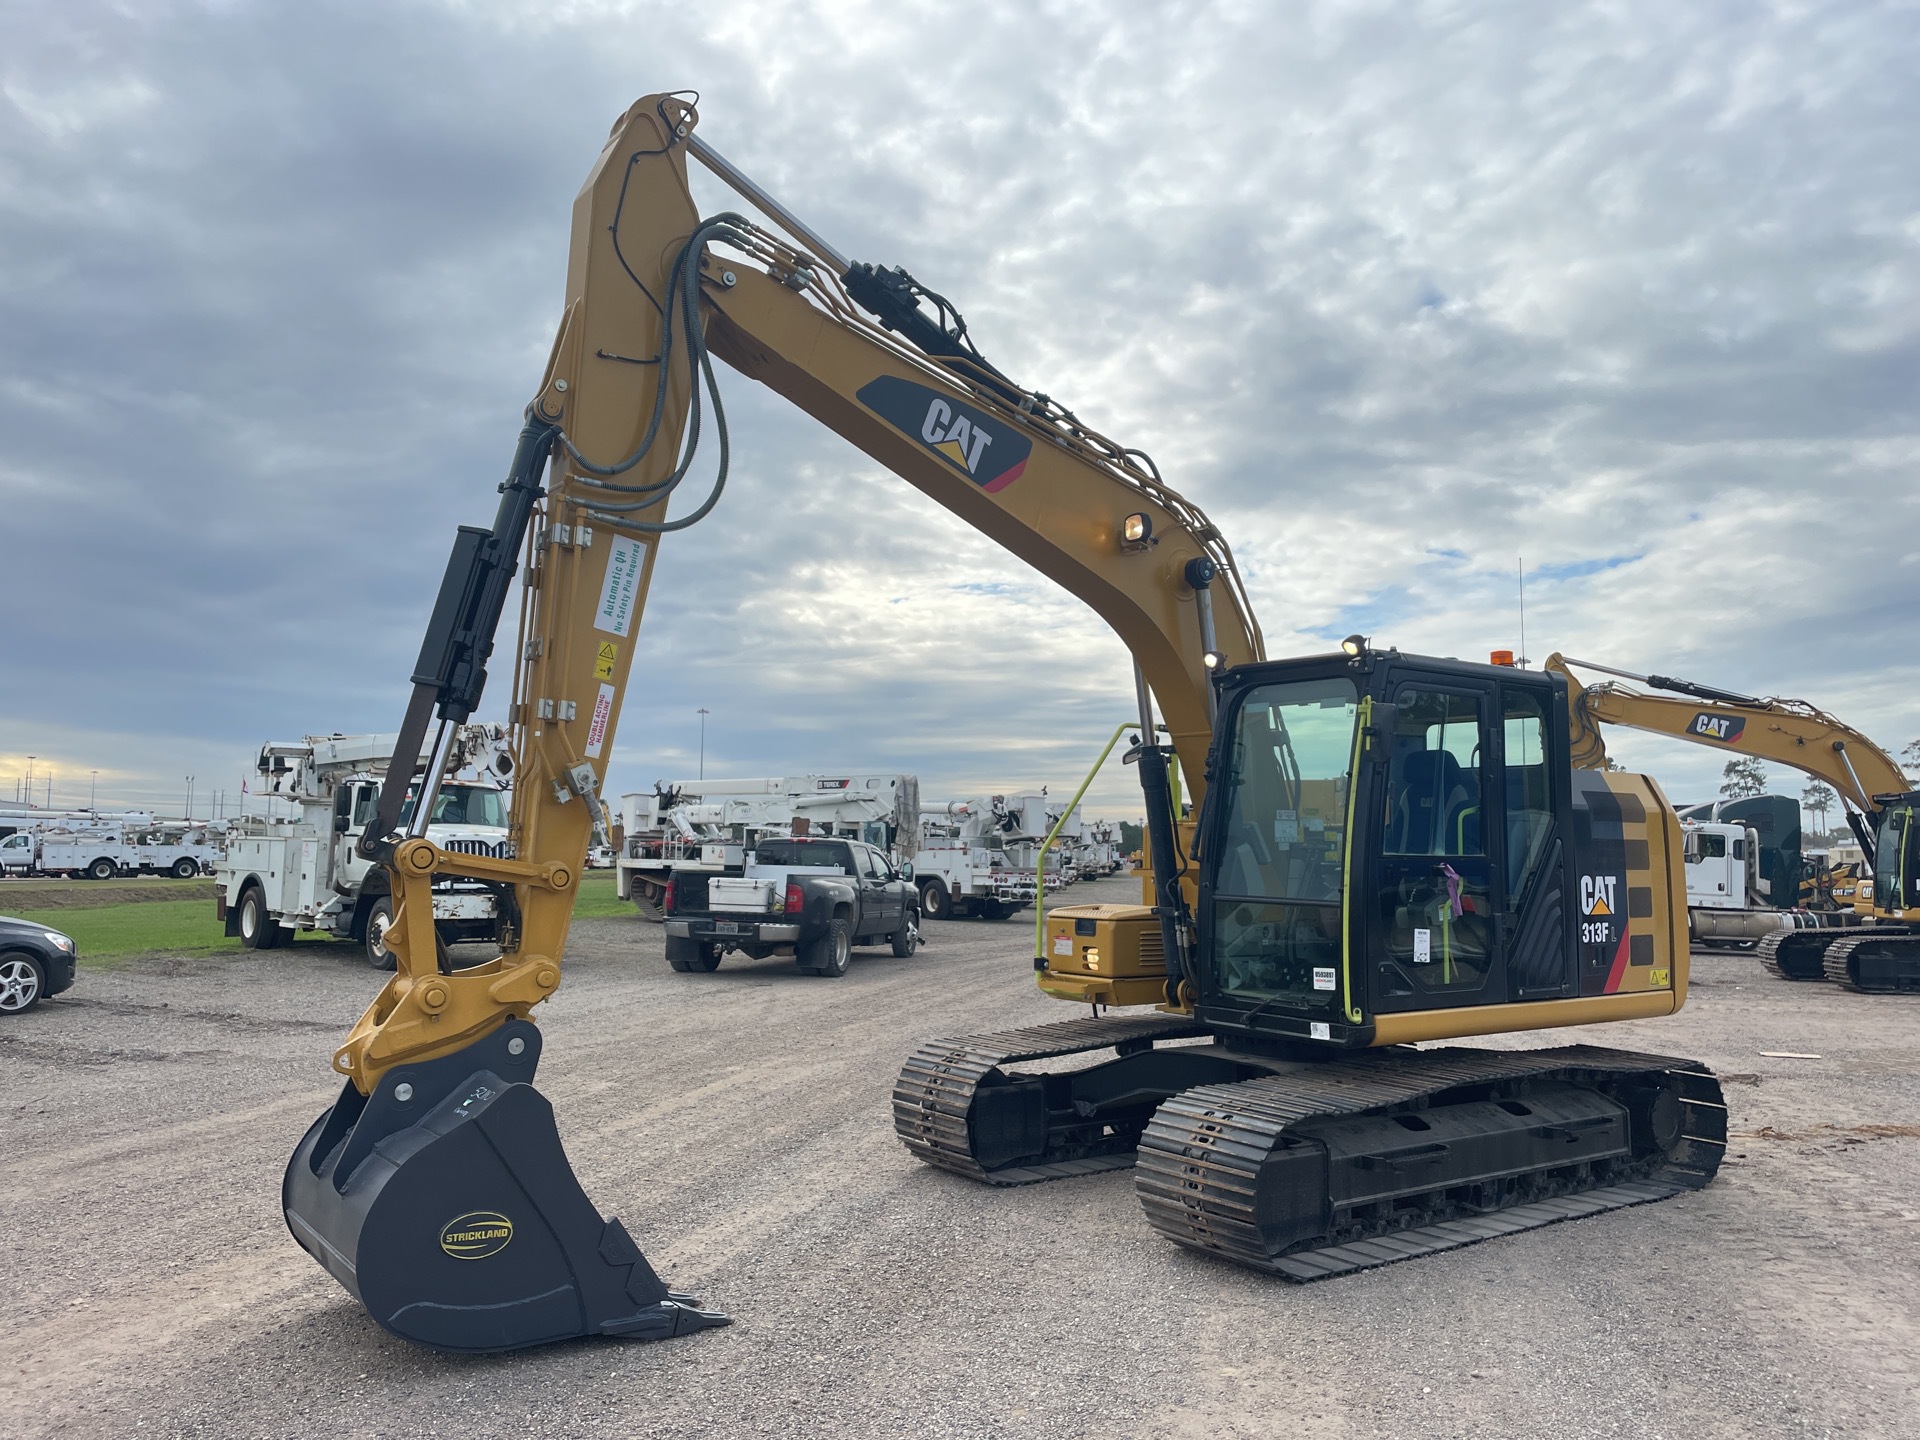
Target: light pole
{"points": [[703, 712]]}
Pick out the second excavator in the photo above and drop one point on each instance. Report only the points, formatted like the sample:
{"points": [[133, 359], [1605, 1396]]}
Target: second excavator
{"points": [[1388, 851], [1880, 956]]}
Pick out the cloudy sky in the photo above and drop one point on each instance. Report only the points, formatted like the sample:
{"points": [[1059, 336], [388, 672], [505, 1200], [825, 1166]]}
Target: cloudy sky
{"points": [[1399, 292]]}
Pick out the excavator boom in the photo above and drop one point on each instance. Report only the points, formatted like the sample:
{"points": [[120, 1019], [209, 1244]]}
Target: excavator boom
{"points": [[440, 1066], [1790, 732]]}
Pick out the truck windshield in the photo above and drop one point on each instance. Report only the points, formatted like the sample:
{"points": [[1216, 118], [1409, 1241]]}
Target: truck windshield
{"points": [[463, 805], [1276, 911], [802, 852]]}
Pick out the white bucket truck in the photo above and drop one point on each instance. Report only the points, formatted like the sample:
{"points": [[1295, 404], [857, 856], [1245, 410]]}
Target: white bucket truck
{"points": [[279, 876]]}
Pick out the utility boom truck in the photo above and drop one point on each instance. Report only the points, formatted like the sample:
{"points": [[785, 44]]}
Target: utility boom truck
{"points": [[105, 850], [976, 856], [281, 876]]}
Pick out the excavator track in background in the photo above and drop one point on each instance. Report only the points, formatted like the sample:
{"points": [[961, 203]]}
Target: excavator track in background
{"points": [[1796, 954], [1875, 962], [1346, 1165], [945, 1085]]}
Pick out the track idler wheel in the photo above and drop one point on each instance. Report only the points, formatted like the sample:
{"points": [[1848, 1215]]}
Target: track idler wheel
{"points": [[445, 1205]]}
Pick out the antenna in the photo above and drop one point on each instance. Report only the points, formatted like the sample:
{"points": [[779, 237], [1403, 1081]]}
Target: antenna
{"points": [[1522, 661]]}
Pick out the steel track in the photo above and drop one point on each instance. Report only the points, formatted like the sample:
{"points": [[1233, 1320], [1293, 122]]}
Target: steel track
{"points": [[1199, 1168]]}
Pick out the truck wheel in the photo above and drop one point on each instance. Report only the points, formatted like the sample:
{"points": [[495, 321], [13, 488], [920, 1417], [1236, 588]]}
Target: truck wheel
{"points": [[687, 954], [257, 928], [102, 869], [184, 869], [22, 982], [379, 921], [935, 903], [907, 938], [832, 952]]}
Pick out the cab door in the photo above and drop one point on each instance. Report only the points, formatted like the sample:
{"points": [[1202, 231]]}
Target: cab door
{"points": [[880, 903], [1536, 805], [1435, 939]]}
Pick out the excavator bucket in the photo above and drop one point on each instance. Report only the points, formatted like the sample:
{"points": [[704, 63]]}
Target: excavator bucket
{"points": [[444, 1203]]}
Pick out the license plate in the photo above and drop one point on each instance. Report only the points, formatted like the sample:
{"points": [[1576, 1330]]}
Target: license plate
{"points": [[727, 927]]}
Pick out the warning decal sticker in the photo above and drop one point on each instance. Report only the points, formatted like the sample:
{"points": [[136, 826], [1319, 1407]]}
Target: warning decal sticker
{"points": [[621, 586], [602, 713]]}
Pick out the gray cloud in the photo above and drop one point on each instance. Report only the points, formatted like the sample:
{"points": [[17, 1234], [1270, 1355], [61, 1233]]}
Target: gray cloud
{"points": [[1399, 293]]}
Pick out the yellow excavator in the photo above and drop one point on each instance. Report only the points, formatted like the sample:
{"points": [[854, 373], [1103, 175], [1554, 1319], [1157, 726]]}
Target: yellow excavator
{"points": [[1386, 850], [1881, 956]]}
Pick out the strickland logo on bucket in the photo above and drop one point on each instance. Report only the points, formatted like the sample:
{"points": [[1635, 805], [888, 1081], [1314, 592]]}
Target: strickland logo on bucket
{"points": [[987, 451], [476, 1235]]}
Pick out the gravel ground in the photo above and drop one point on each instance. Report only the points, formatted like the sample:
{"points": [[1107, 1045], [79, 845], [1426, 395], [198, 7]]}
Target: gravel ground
{"points": [[738, 1122]]}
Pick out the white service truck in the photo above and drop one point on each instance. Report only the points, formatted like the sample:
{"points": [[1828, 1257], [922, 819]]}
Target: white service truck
{"points": [[970, 856], [279, 876], [107, 850], [709, 825]]}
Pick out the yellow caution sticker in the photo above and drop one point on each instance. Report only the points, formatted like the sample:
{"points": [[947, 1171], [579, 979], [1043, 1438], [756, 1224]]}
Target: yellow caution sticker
{"points": [[1660, 979], [603, 664]]}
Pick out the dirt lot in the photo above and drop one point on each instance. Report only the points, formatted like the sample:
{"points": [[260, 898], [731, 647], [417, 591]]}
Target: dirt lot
{"points": [[738, 1122]]}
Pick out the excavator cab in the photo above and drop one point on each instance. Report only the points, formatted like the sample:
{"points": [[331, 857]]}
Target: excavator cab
{"points": [[1392, 849], [1397, 848], [1896, 855], [1391, 836]]}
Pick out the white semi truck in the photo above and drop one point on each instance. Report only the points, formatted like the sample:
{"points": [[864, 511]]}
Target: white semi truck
{"points": [[281, 876], [1728, 899], [710, 824]]}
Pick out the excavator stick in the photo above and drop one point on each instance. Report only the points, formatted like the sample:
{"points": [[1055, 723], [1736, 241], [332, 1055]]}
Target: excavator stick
{"points": [[444, 1203]]}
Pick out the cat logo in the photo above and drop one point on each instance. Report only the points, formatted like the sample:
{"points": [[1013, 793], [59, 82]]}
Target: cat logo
{"points": [[988, 452], [1727, 729], [476, 1235], [1596, 894]]}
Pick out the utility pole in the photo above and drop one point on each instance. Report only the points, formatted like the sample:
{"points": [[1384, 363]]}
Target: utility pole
{"points": [[93, 792], [704, 712], [189, 797], [29, 785]]}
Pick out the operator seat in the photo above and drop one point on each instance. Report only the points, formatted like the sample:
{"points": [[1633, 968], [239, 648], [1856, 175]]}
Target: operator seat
{"points": [[1430, 795]]}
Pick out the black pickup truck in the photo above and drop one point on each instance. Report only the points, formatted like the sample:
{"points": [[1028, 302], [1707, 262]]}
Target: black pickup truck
{"points": [[811, 897]]}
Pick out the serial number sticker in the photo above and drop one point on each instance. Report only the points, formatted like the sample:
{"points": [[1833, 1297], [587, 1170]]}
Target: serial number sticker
{"points": [[1063, 945], [1323, 977], [1286, 828], [1660, 979], [1423, 947], [1319, 1030]]}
